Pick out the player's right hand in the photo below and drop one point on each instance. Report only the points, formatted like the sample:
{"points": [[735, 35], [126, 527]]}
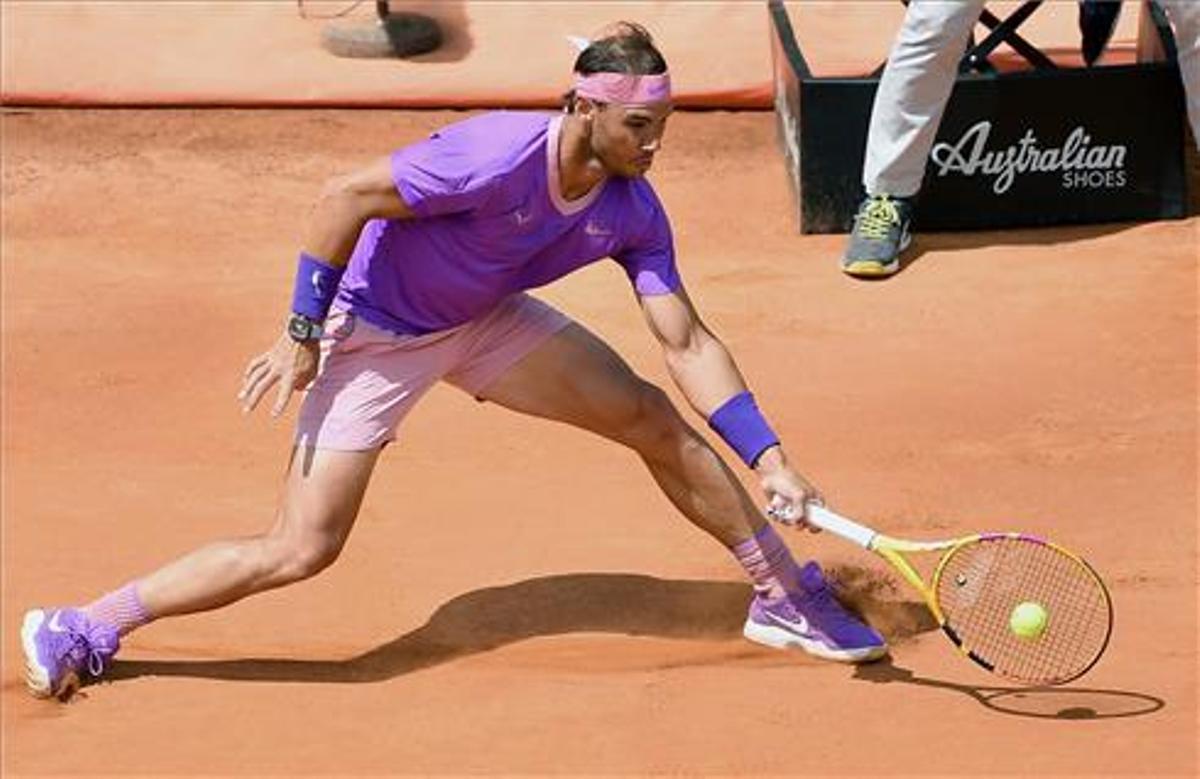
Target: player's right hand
{"points": [[788, 493], [290, 364]]}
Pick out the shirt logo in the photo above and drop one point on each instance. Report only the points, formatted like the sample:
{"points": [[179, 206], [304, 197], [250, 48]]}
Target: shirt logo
{"points": [[596, 230], [522, 217]]}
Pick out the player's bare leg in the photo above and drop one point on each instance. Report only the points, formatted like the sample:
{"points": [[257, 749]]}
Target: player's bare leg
{"points": [[578, 379], [322, 495]]}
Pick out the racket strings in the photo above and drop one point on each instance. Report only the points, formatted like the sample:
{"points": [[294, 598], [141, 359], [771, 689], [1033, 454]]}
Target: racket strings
{"points": [[1072, 602], [983, 581]]}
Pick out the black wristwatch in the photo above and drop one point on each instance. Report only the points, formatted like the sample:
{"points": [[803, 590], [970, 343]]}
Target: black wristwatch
{"points": [[301, 329]]}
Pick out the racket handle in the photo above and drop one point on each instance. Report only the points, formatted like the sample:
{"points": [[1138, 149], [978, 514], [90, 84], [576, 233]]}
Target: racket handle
{"points": [[850, 530]]}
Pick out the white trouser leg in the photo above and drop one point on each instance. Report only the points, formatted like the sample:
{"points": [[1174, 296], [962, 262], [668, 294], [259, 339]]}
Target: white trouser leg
{"points": [[913, 92], [1185, 19]]}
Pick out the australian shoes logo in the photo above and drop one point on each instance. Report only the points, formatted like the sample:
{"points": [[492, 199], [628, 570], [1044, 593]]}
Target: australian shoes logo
{"points": [[1080, 163]]}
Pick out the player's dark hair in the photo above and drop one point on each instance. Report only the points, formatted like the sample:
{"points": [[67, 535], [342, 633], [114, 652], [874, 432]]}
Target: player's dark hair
{"points": [[626, 47]]}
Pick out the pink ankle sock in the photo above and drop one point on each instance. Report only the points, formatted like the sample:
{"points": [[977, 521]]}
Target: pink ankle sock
{"points": [[122, 609], [769, 563]]}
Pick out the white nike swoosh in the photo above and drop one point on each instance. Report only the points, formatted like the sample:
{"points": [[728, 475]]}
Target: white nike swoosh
{"points": [[799, 627], [316, 282], [53, 625]]}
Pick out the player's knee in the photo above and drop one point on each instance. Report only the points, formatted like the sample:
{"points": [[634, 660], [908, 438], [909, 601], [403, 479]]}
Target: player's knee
{"points": [[655, 426], [301, 556], [315, 556]]}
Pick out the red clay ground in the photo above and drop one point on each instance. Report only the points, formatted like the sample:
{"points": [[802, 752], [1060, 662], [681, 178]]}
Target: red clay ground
{"points": [[1043, 380]]}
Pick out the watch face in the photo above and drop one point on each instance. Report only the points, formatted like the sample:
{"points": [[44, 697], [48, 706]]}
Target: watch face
{"points": [[301, 329]]}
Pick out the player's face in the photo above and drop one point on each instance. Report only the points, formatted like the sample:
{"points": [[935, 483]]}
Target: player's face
{"points": [[626, 138]]}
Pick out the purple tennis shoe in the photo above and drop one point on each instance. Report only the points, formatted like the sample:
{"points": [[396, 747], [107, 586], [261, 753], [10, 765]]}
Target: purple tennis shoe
{"points": [[62, 648], [814, 621]]}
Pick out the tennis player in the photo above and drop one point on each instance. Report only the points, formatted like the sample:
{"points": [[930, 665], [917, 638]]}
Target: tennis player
{"points": [[416, 269]]}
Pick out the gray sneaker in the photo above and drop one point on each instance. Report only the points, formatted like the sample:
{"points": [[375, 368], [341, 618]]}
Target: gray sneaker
{"points": [[880, 234]]}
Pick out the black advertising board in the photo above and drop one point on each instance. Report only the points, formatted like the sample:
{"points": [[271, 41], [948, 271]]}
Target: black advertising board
{"points": [[1038, 147]]}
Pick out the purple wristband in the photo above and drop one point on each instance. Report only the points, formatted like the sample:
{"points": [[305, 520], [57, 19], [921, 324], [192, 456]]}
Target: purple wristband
{"points": [[316, 285], [739, 422]]}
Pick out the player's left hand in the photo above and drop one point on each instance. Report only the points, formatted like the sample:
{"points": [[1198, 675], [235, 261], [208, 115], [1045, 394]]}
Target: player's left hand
{"points": [[788, 493]]}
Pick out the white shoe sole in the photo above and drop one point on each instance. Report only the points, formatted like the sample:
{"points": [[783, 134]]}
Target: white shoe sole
{"points": [[778, 638], [37, 678]]}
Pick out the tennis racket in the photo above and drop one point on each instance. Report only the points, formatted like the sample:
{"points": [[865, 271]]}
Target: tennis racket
{"points": [[979, 582]]}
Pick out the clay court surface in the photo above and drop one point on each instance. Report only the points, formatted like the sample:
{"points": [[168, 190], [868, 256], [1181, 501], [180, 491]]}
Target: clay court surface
{"points": [[1042, 380]]}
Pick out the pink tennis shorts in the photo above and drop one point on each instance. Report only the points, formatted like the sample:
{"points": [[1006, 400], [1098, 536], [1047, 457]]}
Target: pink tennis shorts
{"points": [[370, 378]]}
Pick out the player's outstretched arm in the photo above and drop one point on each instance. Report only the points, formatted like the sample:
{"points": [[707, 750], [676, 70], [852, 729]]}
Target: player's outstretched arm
{"points": [[706, 373]]}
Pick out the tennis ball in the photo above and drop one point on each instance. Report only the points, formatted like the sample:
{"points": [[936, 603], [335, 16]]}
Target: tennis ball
{"points": [[1028, 620]]}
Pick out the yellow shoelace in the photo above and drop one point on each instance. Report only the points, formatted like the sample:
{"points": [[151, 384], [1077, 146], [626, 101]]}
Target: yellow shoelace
{"points": [[878, 217]]}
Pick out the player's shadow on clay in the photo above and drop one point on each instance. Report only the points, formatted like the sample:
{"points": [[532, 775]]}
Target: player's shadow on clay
{"points": [[1062, 703], [494, 617]]}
